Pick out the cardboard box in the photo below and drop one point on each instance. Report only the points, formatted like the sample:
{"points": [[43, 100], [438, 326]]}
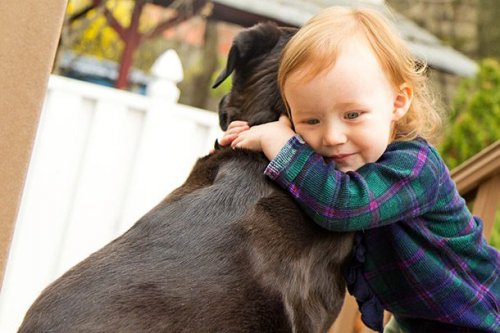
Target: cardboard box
{"points": [[29, 34]]}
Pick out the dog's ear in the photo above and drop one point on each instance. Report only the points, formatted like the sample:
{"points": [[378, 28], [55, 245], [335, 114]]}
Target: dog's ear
{"points": [[248, 44], [231, 62]]}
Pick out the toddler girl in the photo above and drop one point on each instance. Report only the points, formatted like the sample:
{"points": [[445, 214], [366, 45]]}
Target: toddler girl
{"points": [[356, 157]]}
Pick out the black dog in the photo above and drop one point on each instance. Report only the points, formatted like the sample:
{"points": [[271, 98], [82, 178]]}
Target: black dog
{"points": [[228, 251]]}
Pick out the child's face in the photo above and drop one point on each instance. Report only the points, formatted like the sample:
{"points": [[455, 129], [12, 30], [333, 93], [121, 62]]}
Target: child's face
{"points": [[347, 112]]}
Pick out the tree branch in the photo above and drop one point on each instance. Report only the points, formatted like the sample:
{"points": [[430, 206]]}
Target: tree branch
{"points": [[113, 22]]}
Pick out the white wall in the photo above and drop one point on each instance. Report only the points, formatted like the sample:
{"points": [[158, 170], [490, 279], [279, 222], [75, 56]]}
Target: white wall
{"points": [[102, 158]]}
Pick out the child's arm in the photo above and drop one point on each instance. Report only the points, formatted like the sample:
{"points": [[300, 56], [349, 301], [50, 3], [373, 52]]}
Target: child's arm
{"points": [[402, 184]]}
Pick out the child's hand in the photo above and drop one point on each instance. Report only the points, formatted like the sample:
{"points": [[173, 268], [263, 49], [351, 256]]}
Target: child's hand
{"points": [[268, 138], [234, 128]]}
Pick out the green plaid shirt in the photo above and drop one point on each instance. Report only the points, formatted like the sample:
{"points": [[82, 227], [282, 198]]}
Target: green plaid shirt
{"points": [[426, 260]]}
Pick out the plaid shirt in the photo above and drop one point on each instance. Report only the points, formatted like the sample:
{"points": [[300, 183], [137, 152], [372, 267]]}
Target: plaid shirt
{"points": [[426, 260]]}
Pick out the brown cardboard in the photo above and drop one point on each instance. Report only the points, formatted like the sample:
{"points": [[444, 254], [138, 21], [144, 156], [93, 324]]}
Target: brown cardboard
{"points": [[29, 33]]}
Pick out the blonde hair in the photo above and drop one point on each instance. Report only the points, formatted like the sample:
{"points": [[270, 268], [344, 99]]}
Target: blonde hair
{"points": [[316, 45]]}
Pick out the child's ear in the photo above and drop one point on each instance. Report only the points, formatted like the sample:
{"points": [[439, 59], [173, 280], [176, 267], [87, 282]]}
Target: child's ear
{"points": [[402, 101]]}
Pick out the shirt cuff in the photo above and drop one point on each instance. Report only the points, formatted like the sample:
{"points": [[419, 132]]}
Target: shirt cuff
{"points": [[285, 157]]}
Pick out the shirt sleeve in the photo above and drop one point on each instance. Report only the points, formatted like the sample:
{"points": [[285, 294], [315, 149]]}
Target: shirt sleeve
{"points": [[402, 184]]}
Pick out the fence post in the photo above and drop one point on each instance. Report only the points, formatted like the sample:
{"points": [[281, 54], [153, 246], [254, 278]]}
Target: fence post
{"points": [[167, 71]]}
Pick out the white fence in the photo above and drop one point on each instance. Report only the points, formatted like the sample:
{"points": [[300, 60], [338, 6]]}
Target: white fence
{"points": [[102, 158]]}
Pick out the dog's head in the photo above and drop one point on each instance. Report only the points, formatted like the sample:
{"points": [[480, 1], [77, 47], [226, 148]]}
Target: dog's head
{"points": [[253, 61]]}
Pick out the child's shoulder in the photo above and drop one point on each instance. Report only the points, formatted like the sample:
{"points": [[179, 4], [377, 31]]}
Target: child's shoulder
{"points": [[417, 148], [414, 144]]}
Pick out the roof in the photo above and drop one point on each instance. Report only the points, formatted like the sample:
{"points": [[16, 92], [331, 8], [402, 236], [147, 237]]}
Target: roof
{"points": [[424, 45]]}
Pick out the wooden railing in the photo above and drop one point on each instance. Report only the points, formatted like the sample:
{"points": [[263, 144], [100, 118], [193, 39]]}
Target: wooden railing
{"points": [[478, 181]]}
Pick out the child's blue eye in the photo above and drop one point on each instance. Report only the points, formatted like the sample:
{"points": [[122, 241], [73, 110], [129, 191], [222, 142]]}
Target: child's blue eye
{"points": [[312, 121], [351, 115]]}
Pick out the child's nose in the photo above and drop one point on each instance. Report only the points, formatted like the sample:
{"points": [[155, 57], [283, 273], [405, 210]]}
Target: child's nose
{"points": [[334, 135]]}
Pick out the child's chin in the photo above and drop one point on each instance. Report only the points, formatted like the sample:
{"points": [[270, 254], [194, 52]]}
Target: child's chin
{"points": [[348, 167], [345, 169]]}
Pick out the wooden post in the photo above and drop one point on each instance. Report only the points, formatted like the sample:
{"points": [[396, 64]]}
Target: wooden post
{"points": [[486, 203], [30, 33]]}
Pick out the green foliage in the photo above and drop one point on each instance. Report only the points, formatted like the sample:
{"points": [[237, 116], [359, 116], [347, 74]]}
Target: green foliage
{"points": [[96, 38], [190, 74], [474, 119]]}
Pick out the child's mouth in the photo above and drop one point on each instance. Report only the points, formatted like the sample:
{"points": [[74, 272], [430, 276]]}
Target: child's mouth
{"points": [[340, 157]]}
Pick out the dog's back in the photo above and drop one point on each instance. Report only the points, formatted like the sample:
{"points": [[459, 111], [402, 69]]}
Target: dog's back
{"points": [[226, 252], [183, 266]]}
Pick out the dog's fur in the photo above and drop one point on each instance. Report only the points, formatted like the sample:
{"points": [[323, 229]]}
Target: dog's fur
{"points": [[228, 251]]}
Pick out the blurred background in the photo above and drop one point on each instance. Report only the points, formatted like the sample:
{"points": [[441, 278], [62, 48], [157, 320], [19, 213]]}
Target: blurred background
{"points": [[130, 108], [201, 32]]}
